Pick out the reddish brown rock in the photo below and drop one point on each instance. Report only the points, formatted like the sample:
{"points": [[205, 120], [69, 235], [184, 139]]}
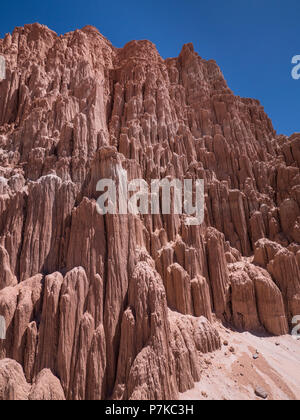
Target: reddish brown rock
{"points": [[284, 267], [123, 306], [178, 290], [192, 338], [13, 385], [6, 277], [46, 387], [96, 364], [219, 275], [243, 298], [270, 302], [48, 331], [148, 371], [201, 298]]}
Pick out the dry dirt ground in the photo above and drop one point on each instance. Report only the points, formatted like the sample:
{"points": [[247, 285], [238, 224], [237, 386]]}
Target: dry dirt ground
{"points": [[232, 373]]}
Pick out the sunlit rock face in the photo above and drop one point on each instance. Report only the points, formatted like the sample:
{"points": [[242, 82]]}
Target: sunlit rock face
{"points": [[126, 307]]}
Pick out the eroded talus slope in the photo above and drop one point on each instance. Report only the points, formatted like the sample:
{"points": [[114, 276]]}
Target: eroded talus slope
{"points": [[124, 306]]}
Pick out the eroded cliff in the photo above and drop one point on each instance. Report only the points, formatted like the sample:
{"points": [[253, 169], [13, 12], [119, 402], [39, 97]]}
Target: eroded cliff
{"points": [[125, 306]]}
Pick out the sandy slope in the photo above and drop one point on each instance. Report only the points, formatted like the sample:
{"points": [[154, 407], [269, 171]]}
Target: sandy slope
{"points": [[233, 376]]}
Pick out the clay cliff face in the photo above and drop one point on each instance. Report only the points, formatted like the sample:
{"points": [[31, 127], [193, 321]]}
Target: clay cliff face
{"points": [[125, 307]]}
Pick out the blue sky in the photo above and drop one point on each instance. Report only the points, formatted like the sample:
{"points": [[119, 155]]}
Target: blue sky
{"points": [[253, 41]]}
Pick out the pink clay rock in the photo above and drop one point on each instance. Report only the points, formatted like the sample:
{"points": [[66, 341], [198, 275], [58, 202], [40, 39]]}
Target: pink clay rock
{"points": [[126, 306]]}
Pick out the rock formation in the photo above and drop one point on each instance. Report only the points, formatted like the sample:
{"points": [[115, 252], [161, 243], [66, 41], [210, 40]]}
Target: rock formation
{"points": [[125, 306]]}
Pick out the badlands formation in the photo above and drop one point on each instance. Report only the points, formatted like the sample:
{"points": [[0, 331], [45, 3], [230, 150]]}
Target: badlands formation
{"points": [[140, 307]]}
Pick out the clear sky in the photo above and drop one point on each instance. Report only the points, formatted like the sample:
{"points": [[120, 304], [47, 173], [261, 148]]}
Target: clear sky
{"points": [[253, 41]]}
